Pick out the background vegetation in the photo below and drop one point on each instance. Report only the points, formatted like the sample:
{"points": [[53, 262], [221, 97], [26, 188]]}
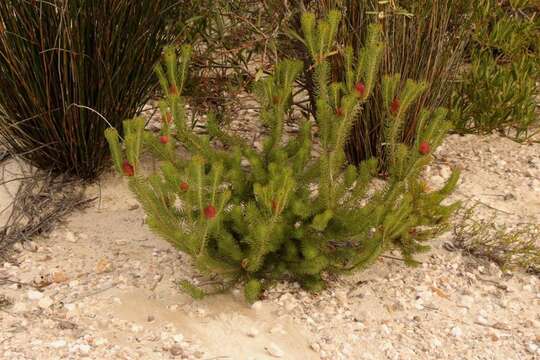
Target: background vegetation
{"points": [[499, 86]]}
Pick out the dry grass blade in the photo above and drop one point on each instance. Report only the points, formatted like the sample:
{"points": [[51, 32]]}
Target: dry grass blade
{"points": [[518, 247], [39, 203]]}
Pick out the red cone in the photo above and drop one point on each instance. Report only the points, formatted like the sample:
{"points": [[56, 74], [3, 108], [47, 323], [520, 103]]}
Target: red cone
{"points": [[394, 106], [128, 169], [424, 148], [360, 89], [164, 139], [184, 186], [210, 212]]}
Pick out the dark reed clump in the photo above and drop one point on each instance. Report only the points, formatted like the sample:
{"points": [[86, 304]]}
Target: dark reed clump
{"points": [[70, 68]]}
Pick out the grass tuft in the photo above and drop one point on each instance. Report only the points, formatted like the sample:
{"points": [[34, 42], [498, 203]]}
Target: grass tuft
{"points": [[515, 248], [69, 69]]}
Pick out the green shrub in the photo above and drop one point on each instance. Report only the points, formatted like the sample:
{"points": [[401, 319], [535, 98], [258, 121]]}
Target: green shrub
{"points": [[257, 216], [424, 42], [499, 88], [66, 66]]}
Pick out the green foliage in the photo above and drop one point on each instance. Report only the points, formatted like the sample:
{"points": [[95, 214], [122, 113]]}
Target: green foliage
{"points": [[69, 67], [498, 90], [423, 41], [258, 216]]}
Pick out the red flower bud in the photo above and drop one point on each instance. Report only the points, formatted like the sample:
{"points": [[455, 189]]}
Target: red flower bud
{"points": [[184, 186], [210, 212], [360, 88], [128, 169], [339, 112], [424, 148], [394, 106], [164, 139]]}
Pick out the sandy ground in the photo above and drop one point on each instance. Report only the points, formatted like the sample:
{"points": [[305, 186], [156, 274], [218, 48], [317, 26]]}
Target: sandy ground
{"points": [[101, 286]]}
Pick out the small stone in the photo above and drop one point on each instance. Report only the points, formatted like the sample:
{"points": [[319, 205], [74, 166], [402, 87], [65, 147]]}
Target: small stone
{"points": [[466, 301], [436, 343], [100, 341], [66, 325], [34, 295], [59, 277], [57, 344], [133, 207], [176, 350], [19, 307], [482, 320], [278, 329], [84, 348], [18, 247], [45, 302], [103, 266], [445, 172], [509, 197], [136, 328], [341, 295], [253, 332], [290, 306], [501, 326], [30, 246], [532, 348], [178, 338], [274, 350], [456, 331], [257, 305], [70, 237]]}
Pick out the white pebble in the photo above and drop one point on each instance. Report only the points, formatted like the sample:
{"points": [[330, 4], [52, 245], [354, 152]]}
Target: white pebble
{"points": [[57, 344], [34, 295], [275, 350], [456, 331], [481, 320], [436, 343], [100, 341], [70, 237], [252, 332], [45, 302], [466, 301], [178, 338], [19, 307], [278, 329], [532, 348], [257, 305]]}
